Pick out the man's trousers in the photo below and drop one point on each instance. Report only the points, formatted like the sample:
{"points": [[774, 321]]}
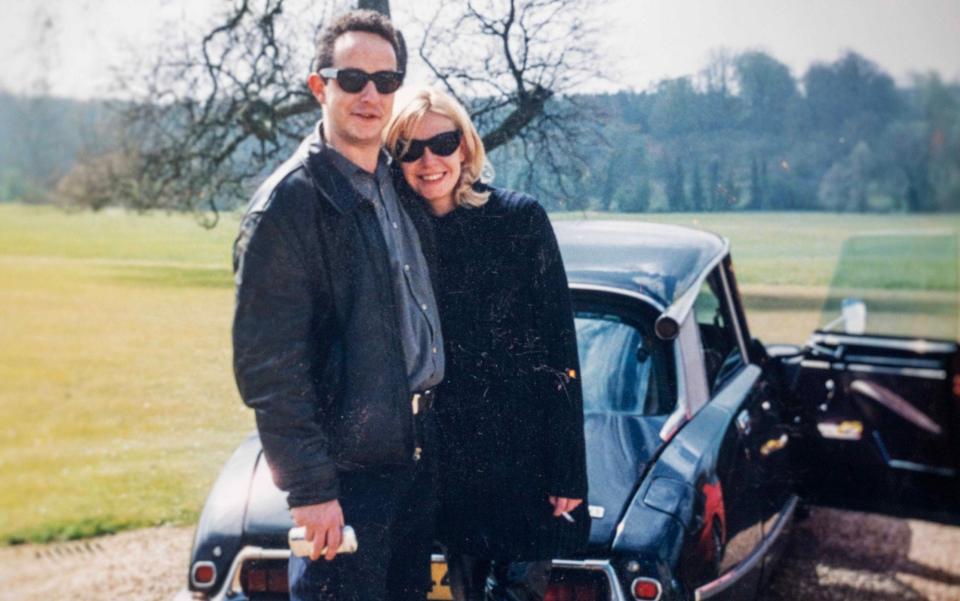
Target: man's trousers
{"points": [[392, 511]]}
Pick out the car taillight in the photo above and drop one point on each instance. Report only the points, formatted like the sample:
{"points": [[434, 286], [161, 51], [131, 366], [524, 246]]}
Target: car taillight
{"points": [[203, 574], [577, 585], [646, 589], [264, 577]]}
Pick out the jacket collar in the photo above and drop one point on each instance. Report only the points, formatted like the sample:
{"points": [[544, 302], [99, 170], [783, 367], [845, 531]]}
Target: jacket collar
{"points": [[315, 155]]}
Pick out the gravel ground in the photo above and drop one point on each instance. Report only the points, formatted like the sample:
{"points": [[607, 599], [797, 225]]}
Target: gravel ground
{"points": [[140, 565], [832, 556], [845, 556]]}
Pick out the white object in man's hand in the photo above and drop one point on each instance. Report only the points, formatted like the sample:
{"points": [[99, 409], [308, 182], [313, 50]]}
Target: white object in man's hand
{"points": [[324, 524], [301, 547]]}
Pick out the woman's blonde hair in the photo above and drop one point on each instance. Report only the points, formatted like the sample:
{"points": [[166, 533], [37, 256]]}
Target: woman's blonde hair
{"points": [[432, 100]]}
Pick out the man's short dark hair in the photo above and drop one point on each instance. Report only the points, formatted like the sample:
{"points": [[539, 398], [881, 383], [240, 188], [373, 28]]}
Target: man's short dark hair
{"points": [[359, 20]]}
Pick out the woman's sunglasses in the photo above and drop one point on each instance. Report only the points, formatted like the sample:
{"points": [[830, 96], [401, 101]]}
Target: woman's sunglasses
{"points": [[442, 145], [352, 81]]}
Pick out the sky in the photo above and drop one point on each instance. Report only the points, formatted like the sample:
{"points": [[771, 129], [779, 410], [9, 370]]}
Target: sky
{"points": [[72, 47]]}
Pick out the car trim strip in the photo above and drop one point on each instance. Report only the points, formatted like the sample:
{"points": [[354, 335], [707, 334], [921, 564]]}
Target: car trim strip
{"points": [[916, 345], [721, 584], [732, 314], [892, 401], [895, 361], [617, 291], [914, 372], [685, 408]]}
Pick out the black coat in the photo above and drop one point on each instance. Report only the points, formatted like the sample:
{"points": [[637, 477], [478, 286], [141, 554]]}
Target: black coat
{"points": [[510, 410], [317, 349]]}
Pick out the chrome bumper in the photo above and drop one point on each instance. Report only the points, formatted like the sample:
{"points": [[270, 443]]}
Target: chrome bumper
{"points": [[600, 565], [233, 591]]}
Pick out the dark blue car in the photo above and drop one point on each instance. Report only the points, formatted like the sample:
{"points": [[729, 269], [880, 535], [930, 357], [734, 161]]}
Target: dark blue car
{"points": [[701, 441]]}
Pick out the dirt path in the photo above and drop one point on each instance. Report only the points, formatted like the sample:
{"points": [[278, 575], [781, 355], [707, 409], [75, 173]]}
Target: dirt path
{"points": [[832, 556], [845, 556], [141, 565]]}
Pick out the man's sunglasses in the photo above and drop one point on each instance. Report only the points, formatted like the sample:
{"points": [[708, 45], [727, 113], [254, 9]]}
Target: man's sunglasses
{"points": [[354, 80], [442, 145]]}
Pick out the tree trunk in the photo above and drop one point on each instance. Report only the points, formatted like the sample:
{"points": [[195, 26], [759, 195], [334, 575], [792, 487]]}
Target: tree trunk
{"points": [[381, 6]]}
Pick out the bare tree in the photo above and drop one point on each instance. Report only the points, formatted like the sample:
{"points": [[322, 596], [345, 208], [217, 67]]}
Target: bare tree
{"points": [[98, 180], [211, 116], [215, 116], [517, 65], [381, 6]]}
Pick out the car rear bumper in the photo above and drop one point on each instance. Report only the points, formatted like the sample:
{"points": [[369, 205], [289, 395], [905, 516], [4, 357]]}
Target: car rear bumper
{"points": [[233, 590]]}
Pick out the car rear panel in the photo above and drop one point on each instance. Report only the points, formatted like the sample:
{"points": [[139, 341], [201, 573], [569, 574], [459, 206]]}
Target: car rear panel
{"points": [[619, 449]]}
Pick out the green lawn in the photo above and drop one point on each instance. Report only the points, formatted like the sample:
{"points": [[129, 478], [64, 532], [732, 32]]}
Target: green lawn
{"points": [[794, 268], [117, 404], [886, 271], [117, 401]]}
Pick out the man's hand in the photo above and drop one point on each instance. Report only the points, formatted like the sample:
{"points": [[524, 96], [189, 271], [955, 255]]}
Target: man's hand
{"points": [[324, 524], [563, 504]]}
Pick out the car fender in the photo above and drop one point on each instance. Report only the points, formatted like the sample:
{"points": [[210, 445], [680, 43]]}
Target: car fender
{"points": [[219, 532]]}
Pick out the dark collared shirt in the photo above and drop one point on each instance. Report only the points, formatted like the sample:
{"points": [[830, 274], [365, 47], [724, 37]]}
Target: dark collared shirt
{"points": [[419, 319]]}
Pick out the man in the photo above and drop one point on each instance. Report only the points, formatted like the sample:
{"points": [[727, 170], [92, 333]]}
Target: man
{"points": [[336, 335]]}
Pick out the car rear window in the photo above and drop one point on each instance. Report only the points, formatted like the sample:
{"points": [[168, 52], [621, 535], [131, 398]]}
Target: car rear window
{"points": [[624, 370]]}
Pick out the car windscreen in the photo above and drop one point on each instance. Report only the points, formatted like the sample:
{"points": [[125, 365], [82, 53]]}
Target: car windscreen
{"points": [[907, 280], [624, 370]]}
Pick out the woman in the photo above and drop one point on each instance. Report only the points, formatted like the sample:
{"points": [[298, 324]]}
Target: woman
{"points": [[510, 421]]}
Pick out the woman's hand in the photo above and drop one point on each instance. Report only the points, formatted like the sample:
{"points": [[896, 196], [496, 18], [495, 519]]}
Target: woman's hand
{"points": [[563, 505]]}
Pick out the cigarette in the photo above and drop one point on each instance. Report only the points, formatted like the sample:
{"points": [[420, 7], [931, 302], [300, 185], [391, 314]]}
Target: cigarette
{"points": [[568, 517]]}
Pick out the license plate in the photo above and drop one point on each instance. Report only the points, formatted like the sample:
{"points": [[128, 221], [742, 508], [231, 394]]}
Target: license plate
{"points": [[441, 582]]}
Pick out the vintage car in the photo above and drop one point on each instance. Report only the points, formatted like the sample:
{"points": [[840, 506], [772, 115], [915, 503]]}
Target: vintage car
{"points": [[701, 442]]}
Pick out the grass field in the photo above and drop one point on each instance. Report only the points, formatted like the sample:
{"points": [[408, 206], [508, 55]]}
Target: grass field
{"points": [[794, 268], [117, 402]]}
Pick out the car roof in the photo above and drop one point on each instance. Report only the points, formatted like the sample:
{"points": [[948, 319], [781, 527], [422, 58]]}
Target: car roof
{"points": [[654, 260]]}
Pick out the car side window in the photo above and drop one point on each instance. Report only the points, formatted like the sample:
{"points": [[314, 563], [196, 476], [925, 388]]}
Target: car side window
{"points": [[623, 368], [721, 353]]}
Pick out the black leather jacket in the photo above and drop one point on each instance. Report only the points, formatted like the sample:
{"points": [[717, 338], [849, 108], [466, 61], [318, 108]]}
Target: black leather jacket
{"points": [[317, 349]]}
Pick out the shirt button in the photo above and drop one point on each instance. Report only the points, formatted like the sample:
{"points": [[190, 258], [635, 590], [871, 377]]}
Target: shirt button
{"points": [[423, 306], [395, 226], [434, 350], [406, 267]]}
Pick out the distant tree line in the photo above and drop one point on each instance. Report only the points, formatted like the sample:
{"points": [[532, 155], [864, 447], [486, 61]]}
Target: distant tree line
{"points": [[42, 139], [744, 134]]}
